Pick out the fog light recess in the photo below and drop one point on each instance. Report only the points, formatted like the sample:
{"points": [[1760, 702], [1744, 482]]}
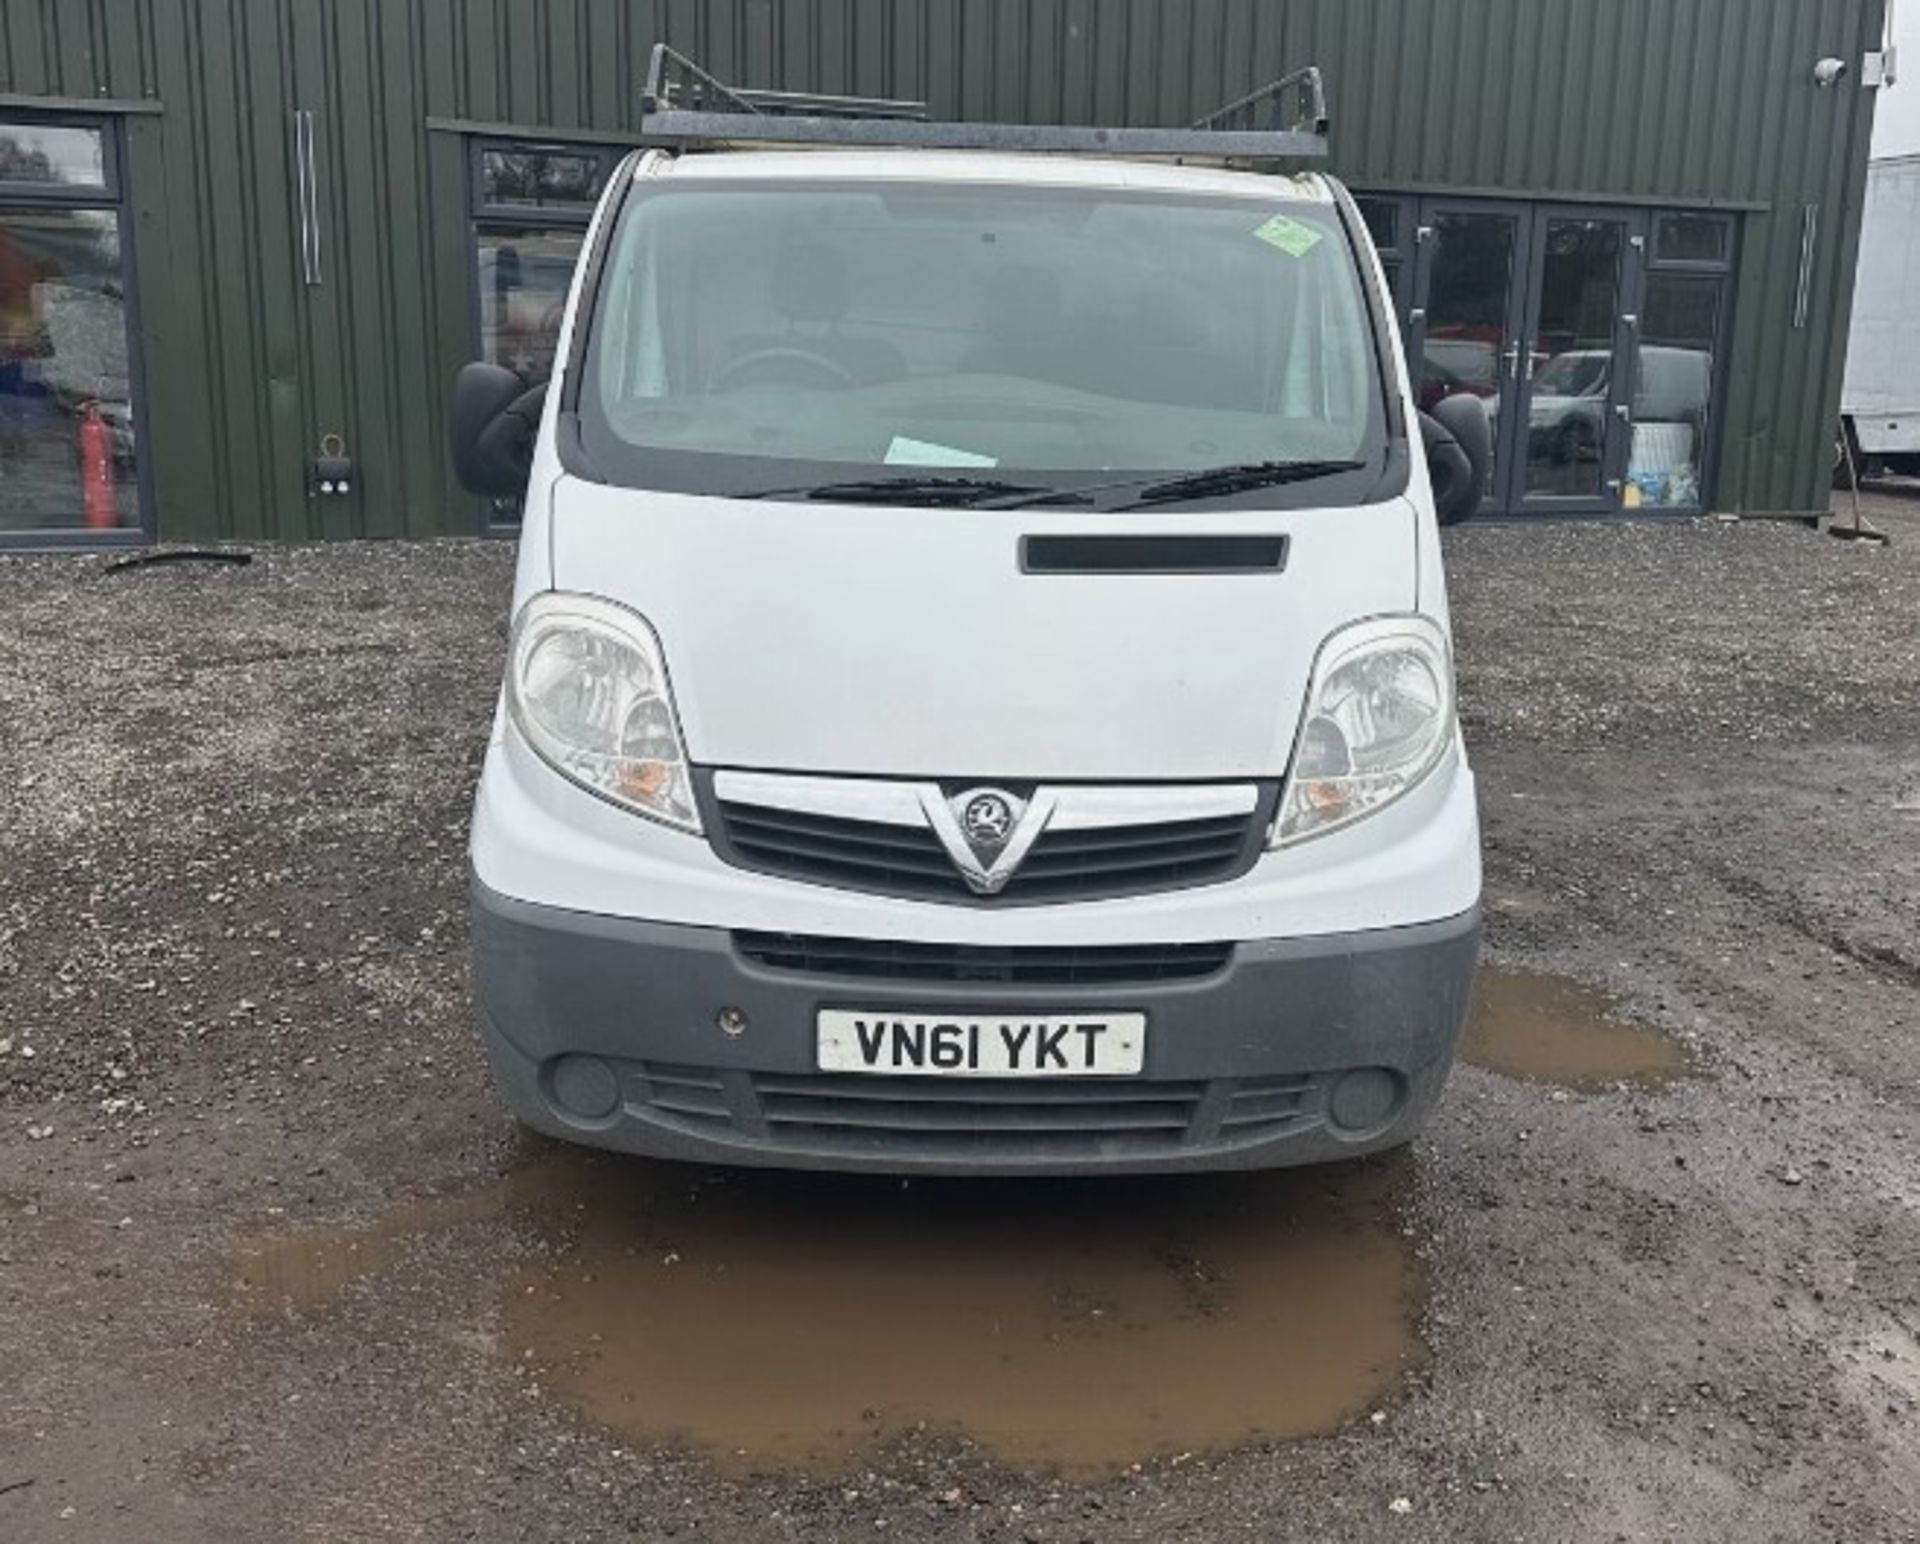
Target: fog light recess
{"points": [[583, 1087], [1365, 1100]]}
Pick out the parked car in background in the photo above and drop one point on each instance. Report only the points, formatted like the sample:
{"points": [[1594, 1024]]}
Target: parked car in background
{"points": [[1571, 393], [1457, 364]]}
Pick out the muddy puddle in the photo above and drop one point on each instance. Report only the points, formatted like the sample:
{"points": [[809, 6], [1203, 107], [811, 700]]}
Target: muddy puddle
{"points": [[1547, 1029], [307, 1269], [778, 1321]]}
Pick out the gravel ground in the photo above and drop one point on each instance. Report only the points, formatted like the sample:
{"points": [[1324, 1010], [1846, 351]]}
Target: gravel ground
{"points": [[232, 808]]}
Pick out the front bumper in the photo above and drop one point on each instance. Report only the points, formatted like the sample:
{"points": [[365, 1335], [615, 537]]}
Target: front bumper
{"points": [[606, 1031]]}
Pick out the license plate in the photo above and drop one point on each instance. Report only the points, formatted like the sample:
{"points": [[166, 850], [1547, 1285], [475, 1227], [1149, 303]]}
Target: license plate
{"points": [[959, 1045]]}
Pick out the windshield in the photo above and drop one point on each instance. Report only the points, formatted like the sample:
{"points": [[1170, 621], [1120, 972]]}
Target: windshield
{"points": [[763, 336]]}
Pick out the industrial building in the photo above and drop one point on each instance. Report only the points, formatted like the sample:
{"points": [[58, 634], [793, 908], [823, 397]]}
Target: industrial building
{"points": [[244, 247]]}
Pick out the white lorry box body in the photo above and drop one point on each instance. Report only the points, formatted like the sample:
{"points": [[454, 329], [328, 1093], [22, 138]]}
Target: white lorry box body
{"points": [[1881, 398]]}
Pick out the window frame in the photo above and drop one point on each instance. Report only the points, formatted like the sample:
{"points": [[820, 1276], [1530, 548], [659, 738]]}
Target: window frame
{"points": [[1396, 258], [1408, 209], [111, 197], [61, 192], [496, 219], [1725, 271], [1724, 264]]}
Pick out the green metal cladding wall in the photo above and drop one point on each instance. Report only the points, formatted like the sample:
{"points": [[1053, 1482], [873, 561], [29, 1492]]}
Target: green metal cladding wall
{"points": [[1705, 101]]}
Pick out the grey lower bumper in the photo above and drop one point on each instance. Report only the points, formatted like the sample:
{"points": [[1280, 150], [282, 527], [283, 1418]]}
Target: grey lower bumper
{"points": [[608, 1031]]}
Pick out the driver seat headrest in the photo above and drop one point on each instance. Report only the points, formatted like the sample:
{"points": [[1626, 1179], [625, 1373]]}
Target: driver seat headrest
{"points": [[810, 283]]}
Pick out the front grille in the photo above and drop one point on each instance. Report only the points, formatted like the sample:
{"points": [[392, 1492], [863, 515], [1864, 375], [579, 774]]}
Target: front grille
{"points": [[691, 1095], [934, 1117], [829, 1109], [1128, 859], [1260, 1106], [885, 960], [1084, 863], [854, 854]]}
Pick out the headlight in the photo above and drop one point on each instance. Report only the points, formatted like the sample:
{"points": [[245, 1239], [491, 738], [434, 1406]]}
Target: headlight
{"points": [[587, 689], [1379, 718]]}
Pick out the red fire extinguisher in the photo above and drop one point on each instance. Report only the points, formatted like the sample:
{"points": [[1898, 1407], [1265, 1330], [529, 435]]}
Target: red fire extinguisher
{"points": [[96, 470]]}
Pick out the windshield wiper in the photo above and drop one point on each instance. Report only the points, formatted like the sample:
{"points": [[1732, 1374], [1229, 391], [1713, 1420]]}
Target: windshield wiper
{"points": [[906, 490], [1209, 483], [998, 493], [1238, 479]]}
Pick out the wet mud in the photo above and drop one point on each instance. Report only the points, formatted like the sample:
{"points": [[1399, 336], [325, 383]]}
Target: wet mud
{"points": [[278, 1271], [797, 1322], [1543, 1028]]}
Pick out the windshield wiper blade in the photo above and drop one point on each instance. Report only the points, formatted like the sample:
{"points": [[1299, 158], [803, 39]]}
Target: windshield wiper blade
{"points": [[1156, 487], [1238, 479], [905, 490]]}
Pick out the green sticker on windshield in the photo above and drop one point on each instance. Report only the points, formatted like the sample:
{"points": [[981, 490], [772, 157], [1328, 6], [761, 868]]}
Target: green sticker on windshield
{"points": [[1290, 236]]}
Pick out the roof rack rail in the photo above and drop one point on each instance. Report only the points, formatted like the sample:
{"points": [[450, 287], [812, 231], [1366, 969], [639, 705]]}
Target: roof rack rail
{"points": [[1243, 112], [683, 107], [676, 84]]}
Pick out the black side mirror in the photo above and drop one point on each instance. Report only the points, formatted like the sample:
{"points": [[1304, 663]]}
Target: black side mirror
{"points": [[1459, 441], [490, 429]]}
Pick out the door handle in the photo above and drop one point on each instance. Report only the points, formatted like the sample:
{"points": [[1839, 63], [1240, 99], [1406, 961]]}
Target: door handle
{"points": [[1511, 358], [307, 191]]}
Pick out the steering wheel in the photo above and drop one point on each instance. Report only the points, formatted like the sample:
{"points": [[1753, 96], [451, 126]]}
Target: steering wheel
{"points": [[827, 373]]}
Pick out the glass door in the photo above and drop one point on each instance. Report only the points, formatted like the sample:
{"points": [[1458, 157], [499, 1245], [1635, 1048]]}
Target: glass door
{"points": [[1590, 332], [1573, 409], [1465, 324]]}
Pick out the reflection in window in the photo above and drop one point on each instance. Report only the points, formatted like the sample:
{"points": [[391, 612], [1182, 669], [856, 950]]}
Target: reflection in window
{"points": [[67, 452], [1673, 388], [541, 179], [52, 155], [531, 207], [1567, 417], [524, 276], [1690, 238]]}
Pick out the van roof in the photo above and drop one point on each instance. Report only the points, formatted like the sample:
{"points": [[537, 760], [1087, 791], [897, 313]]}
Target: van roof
{"points": [[971, 166]]}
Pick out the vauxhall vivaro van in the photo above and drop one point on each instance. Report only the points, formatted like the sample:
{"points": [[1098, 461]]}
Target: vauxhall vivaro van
{"points": [[979, 696]]}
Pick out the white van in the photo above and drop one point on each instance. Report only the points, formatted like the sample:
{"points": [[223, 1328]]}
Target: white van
{"points": [[980, 696]]}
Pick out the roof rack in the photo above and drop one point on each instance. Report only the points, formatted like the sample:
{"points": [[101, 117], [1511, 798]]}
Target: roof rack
{"points": [[683, 107]]}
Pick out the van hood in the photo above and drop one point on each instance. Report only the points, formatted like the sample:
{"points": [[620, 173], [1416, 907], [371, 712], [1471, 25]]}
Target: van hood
{"points": [[910, 642]]}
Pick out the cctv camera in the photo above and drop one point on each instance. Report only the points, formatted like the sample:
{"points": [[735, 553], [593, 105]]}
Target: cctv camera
{"points": [[1829, 72]]}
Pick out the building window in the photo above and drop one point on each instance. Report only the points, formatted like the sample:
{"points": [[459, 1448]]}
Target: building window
{"points": [[540, 177], [1691, 238], [1682, 320], [69, 442], [1388, 221], [531, 205]]}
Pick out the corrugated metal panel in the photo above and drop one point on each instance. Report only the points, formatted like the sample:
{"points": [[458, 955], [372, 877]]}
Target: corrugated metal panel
{"points": [[1696, 100]]}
